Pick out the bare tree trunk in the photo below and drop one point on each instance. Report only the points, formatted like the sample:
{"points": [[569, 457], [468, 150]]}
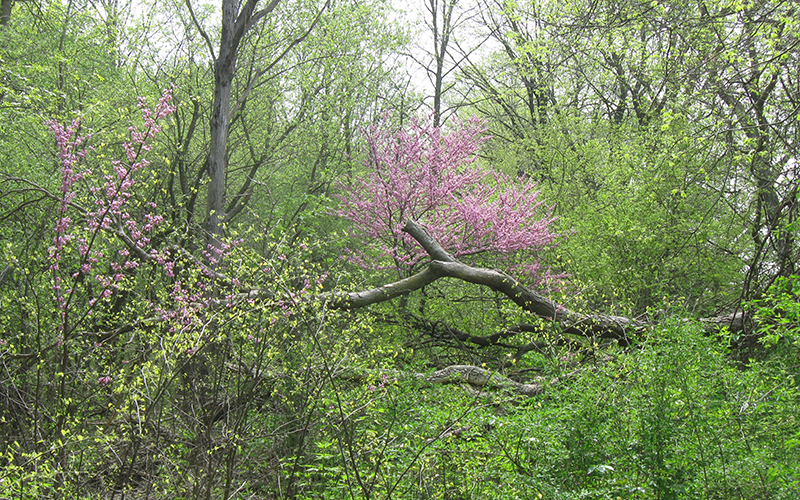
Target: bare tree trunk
{"points": [[441, 29], [218, 148], [224, 70], [236, 21], [5, 12]]}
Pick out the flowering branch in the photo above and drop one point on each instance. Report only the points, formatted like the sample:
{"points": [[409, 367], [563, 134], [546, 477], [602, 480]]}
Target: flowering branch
{"points": [[111, 213]]}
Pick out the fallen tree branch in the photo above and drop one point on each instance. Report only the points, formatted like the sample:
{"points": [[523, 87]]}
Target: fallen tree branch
{"points": [[474, 376], [601, 325], [735, 322], [483, 379], [445, 265]]}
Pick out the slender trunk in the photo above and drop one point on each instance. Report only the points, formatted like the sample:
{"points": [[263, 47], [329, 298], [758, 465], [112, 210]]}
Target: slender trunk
{"points": [[217, 157], [5, 12], [217, 163]]}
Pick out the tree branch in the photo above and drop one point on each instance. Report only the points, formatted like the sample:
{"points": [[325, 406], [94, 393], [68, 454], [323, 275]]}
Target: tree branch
{"points": [[588, 325], [200, 29], [600, 325], [280, 57]]}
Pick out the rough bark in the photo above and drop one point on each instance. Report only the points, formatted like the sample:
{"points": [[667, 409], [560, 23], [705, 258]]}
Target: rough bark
{"points": [[236, 21], [482, 379]]}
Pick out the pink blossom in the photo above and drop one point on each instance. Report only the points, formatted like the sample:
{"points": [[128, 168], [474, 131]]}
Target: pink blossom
{"points": [[424, 174]]}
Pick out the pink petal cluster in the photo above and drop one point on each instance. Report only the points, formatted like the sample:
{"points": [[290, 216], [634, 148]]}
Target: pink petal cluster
{"points": [[432, 176], [111, 200]]}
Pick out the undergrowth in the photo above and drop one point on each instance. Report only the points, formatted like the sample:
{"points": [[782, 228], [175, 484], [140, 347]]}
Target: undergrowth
{"points": [[671, 417]]}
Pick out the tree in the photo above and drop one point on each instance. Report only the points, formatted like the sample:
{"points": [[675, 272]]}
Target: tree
{"points": [[449, 45], [443, 19], [658, 174], [237, 20], [748, 57], [305, 75], [426, 174]]}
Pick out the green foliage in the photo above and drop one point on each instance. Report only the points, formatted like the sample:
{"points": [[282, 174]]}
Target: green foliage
{"points": [[132, 394], [671, 419], [778, 315], [653, 129], [665, 134], [635, 208]]}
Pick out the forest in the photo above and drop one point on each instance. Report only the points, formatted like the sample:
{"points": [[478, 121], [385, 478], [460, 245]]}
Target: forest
{"points": [[364, 249]]}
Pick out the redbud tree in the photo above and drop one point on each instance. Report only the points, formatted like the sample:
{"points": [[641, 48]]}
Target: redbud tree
{"points": [[83, 263], [433, 176], [114, 321]]}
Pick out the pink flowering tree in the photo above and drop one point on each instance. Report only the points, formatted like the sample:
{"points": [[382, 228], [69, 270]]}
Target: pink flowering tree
{"points": [[110, 238], [433, 176], [134, 314]]}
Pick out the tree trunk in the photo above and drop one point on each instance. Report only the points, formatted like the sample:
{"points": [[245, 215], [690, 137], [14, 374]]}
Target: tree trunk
{"points": [[217, 154], [5, 12], [236, 22], [224, 68]]}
